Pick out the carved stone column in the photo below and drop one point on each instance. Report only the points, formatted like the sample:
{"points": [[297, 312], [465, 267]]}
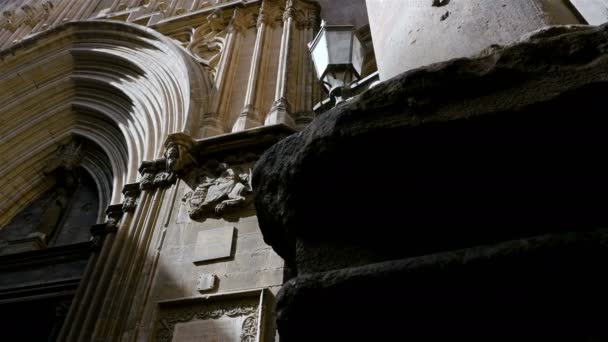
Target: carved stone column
{"points": [[234, 31], [250, 117], [83, 305], [280, 111]]}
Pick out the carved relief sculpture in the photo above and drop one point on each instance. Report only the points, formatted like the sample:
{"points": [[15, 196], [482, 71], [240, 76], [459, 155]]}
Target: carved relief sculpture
{"points": [[218, 195], [130, 193]]}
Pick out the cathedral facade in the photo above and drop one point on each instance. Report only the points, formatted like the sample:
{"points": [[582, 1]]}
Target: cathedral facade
{"points": [[129, 135]]}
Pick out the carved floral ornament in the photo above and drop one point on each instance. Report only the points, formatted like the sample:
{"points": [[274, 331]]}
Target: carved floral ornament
{"points": [[249, 328]]}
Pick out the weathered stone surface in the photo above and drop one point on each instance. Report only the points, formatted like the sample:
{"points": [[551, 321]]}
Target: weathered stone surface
{"points": [[206, 282], [409, 34], [471, 151], [549, 288], [214, 244]]}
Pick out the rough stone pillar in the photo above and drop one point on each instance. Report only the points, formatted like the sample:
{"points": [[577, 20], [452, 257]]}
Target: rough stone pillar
{"points": [[408, 34], [465, 199]]}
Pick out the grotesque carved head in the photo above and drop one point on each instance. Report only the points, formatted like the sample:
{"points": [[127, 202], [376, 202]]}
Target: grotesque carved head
{"points": [[172, 156]]}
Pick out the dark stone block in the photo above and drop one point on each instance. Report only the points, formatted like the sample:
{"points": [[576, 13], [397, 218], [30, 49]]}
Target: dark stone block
{"points": [[506, 145], [393, 209], [549, 288]]}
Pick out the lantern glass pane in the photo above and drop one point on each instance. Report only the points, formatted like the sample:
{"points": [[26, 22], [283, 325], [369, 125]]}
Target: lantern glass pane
{"points": [[358, 55], [339, 43], [320, 55]]}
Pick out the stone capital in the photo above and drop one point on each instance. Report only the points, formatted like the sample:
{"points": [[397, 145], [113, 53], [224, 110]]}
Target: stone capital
{"points": [[177, 155], [131, 193]]}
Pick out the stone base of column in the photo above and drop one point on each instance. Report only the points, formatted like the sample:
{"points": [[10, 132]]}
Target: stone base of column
{"points": [[548, 288], [247, 119], [280, 114], [211, 127]]}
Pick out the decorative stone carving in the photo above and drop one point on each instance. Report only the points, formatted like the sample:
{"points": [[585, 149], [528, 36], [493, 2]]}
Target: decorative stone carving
{"points": [[237, 308], [9, 21], [130, 193], [178, 156], [114, 214], [99, 231], [241, 20], [249, 329], [68, 157], [164, 179], [154, 174], [164, 172], [269, 14], [229, 189], [35, 12], [216, 20]]}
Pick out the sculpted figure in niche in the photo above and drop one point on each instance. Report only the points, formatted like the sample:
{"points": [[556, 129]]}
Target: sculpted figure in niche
{"points": [[220, 194]]}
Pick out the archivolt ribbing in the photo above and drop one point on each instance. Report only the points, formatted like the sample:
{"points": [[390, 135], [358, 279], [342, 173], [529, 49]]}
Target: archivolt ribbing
{"points": [[119, 85]]}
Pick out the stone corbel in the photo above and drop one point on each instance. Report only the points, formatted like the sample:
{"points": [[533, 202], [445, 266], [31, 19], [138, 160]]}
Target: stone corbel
{"points": [[148, 170], [177, 155], [114, 214], [131, 193], [99, 231], [154, 175], [165, 171]]}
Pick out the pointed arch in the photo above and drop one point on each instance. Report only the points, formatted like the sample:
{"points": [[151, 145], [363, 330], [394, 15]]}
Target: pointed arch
{"points": [[122, 86]]}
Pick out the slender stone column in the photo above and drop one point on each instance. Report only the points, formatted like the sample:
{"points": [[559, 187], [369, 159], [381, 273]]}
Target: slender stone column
{"points": [[249, 116], [91, 311], [280, 111], [95, 286], [212, 121], [307, 80], [115, 311]]}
